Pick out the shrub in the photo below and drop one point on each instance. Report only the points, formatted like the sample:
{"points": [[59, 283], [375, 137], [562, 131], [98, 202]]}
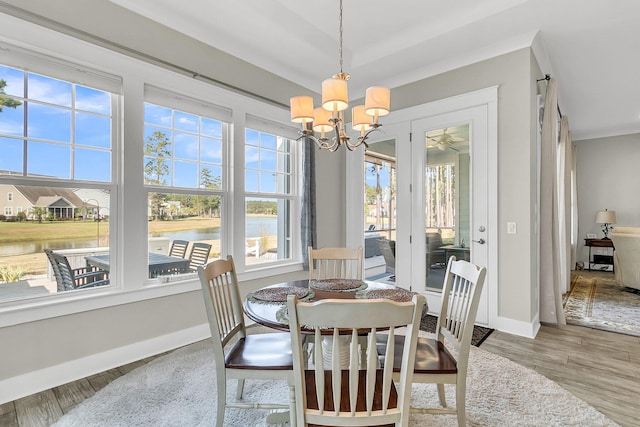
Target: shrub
{"points": [[3, 218], [8, 274]]}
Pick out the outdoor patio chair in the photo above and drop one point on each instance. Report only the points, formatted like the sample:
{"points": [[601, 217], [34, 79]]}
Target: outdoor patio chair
{"points": [[69, 278], [199, 255], [434, 364], [263, 356], [179, 248], [339, 390]]}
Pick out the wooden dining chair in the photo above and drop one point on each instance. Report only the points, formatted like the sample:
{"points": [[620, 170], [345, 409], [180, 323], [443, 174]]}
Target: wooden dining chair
{"points": [[434, 363], [356, 394], [199, 255], [335, 263], [238, 355], [179, 248]]}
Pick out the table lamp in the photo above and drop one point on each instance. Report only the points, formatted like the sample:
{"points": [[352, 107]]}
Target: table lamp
{"points": [[606, 218]]}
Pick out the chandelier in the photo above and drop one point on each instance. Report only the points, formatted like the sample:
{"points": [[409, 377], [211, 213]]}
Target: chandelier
{"points": [[330, 116]]}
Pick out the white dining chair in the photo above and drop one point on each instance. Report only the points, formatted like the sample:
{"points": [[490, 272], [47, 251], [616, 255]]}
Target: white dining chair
{"points": [[434, 363], [238, 355], [354, 394], [335, 263]]}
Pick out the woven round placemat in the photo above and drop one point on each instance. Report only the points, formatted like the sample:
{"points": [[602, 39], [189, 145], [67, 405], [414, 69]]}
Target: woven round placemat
{"points": [[338, 285], [279, 294], [398, 295]]}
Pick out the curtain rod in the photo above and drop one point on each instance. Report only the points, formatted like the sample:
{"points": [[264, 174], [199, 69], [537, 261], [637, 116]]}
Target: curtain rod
{"points": [[119, 48], [546, 79]]}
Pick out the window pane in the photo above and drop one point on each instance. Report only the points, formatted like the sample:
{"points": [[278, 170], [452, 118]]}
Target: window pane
{"points": [[12, 154], [186, 146], [252, 181], [268, 160], [93, 130], [14, 80], [63, 220], [267, 141], [252, 157], [210, 127], [185, 121], [251, 137], [92, 165], [49, 160], [210, 176], [267, 182], [268, 230], [51, 123], [192, 218], [93, 100], [12, 122], [185, 174], [157, 115], [157, 170], [46, 89], [211, 150]]}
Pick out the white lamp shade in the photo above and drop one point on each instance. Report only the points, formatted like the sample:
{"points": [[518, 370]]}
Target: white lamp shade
{"points": [[301, 109], [377, 101], [359, 120], [335, 94], [606, 217], [321, 121]]}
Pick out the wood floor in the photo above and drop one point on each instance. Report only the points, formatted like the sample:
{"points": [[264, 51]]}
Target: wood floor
{"points": [[601, 368]]}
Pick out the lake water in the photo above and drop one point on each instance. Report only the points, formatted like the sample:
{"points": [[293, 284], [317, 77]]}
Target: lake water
{"points": [[255, 228]]}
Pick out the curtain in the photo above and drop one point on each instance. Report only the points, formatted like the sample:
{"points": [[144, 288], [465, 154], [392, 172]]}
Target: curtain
{"points": [[308, 209], [574, 206], [564, 203], [550, 251]]}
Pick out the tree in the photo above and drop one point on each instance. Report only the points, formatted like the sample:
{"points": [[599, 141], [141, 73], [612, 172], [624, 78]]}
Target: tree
{"points": [[5, 101], [39, 212], [156, 151], [209, 204]]}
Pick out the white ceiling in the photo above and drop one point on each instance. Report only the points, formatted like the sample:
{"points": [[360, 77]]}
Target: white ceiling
{"points": [[590, 46]]}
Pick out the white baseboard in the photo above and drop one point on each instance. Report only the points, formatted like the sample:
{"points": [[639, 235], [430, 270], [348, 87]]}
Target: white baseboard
{"points": [[517, 327], [34, 382]]}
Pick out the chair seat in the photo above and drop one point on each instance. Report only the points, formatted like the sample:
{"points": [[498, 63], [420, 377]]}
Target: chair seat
{"points": [[432, 357], [270, 351], [312, 399]]}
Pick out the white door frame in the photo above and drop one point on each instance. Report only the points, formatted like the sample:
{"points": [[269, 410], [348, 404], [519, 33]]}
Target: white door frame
{"points": [[398, 123]]}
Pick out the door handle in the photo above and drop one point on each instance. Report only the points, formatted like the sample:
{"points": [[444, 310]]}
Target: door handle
{"points": [[481, 241]]}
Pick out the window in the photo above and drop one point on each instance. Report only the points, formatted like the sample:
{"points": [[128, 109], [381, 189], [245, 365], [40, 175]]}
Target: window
{"points": [[380, 194], [57, 139], [441, 197], [178, 173], [184, 173], [270, 189]]}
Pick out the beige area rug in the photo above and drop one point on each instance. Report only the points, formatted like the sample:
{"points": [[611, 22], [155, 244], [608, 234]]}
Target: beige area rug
{"points": [[599, 303], [179, 389]]}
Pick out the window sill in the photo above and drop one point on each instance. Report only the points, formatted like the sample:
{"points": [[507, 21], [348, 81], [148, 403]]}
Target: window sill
{"points": [[49, 306]]}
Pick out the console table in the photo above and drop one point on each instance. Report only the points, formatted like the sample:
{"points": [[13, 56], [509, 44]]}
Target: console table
{"points": [[600, 243]]}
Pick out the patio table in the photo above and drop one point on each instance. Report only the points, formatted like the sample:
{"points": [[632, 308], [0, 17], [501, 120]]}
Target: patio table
{"points": [[159, 264]]}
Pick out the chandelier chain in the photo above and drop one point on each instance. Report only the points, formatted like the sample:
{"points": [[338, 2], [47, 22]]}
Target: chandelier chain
{"points": [[340, 38]]}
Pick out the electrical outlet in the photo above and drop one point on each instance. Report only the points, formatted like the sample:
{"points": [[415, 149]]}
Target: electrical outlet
{"points": [[511, 228]]}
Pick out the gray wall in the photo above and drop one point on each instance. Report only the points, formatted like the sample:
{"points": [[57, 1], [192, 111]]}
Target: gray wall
{"points": [[608, 177]]}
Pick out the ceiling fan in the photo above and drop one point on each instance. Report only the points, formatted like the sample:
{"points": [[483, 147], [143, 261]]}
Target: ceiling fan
{"points": [[443, 141]]}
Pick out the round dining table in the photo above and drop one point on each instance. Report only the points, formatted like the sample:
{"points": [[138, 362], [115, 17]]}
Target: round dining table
{"points": [[273, 314]]}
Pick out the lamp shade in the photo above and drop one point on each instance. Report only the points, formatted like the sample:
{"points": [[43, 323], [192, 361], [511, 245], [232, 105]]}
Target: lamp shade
{"points": [[359, 120], [335, 94], [606, 217], [301, 109], [377, 101], [321, 121]]}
